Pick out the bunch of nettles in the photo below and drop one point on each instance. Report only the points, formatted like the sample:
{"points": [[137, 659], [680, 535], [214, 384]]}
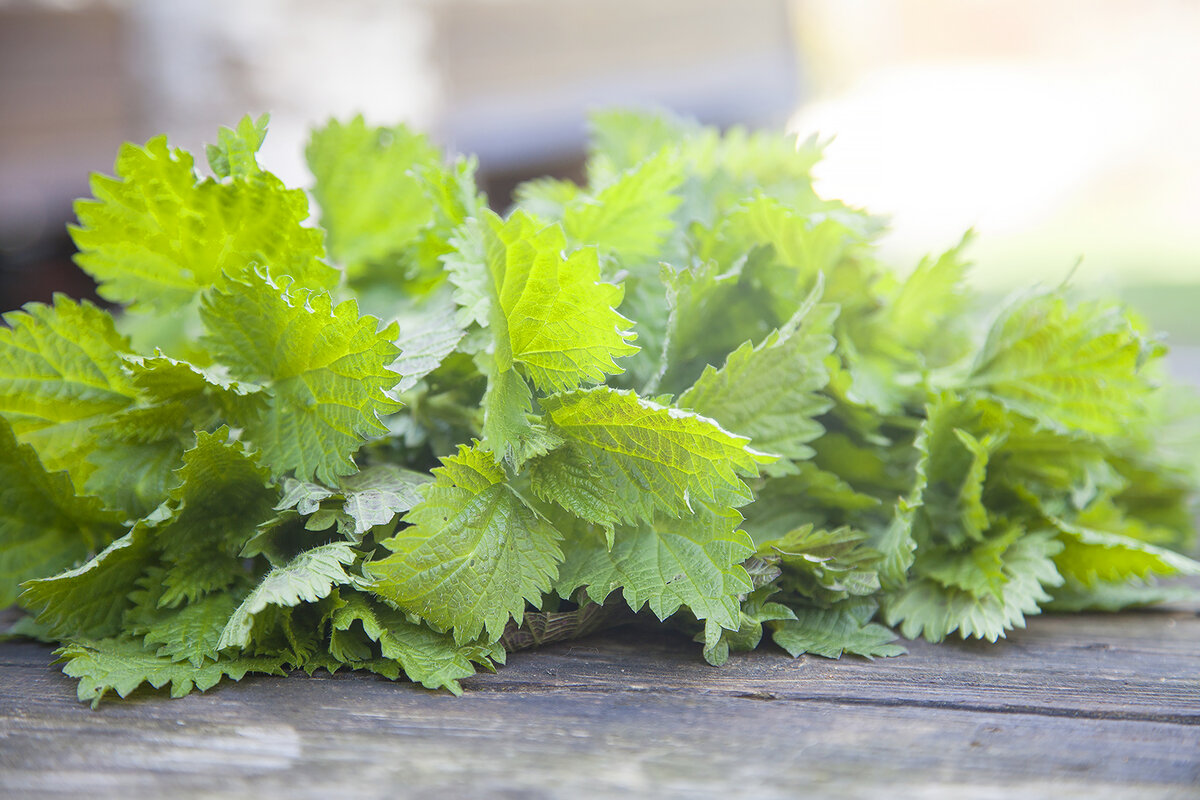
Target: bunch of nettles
{"points": [[687, 389]]}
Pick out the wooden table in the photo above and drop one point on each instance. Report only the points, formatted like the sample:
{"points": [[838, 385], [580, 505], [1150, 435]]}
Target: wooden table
{"points": [[1075, 706]]}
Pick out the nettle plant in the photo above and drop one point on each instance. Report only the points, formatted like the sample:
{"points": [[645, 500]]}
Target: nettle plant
{"points": [[686, 389]]}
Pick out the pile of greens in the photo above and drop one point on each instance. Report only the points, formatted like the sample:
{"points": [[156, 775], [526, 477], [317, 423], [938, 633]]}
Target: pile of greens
{"points": [[687, 389]]}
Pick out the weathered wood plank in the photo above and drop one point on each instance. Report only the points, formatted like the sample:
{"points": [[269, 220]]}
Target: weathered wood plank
{"points": [[1074, 706]]}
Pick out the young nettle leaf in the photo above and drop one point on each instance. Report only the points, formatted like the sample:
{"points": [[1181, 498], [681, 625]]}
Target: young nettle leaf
{"points": [[473, 553], [824, 565], [1042, 463], [1070, 368], [424, 344], [769, 392], [429, 658], [547, 309], [325, 369], [720, 170], [630, 216], [202, 395], [977, 567], [929, 608], [157, 235], [805, 245], [829, 632], [784, 503], [235, 155], [308, 577], [140, 447], [44, 526], [954, 465], [373, 204], [91, 599], [693, 561], [709, 311], [224, 494], [62, 374], [927, 322], [375, 495], [549, 315], [372, 496], [621, 139], [645, 459], [756, 611], [123, 664], [189, 633], [548, 198], [1092, 557]]}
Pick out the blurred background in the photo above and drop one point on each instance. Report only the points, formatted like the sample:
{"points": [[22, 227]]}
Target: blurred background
{"points": [[1067, 134]]}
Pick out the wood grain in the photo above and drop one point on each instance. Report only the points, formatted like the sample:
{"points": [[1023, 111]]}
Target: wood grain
{"points": [[1075, 706]]}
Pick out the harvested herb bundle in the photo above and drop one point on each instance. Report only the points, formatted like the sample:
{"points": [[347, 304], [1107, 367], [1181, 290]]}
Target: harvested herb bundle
{"points": [[687, 389]]}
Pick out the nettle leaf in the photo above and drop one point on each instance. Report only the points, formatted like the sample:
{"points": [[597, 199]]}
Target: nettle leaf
{"points": [[123, 664], [954, 465], [157, 235], [642, 457], [721, 169], [133, 478], [61, 374], [429, 658], [977, 568], [622, 139], [508, 430], [91, 599], [829, 632], [207, 392], [1070, 367], [630, 216], [810, 496], [140, 447], [894, 539], [1074, 596], [809, 244], [548, 314], [190, 633], [927, 608], [424, 344], [473, 553], [44, 526], [303, 496], [927, 321], [307, 578], [1048, 463], [693, 561], [825, 565], [372, 201], [770, 392], [325, 369], [547, 309], [224, 494], [375, 495], [756, 610], [547, 198], [370, 497], [712, 309], [235, 155], [1092, 557]]}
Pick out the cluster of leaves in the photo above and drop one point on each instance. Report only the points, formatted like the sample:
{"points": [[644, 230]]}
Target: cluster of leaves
{"points": [[687, 388]]}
